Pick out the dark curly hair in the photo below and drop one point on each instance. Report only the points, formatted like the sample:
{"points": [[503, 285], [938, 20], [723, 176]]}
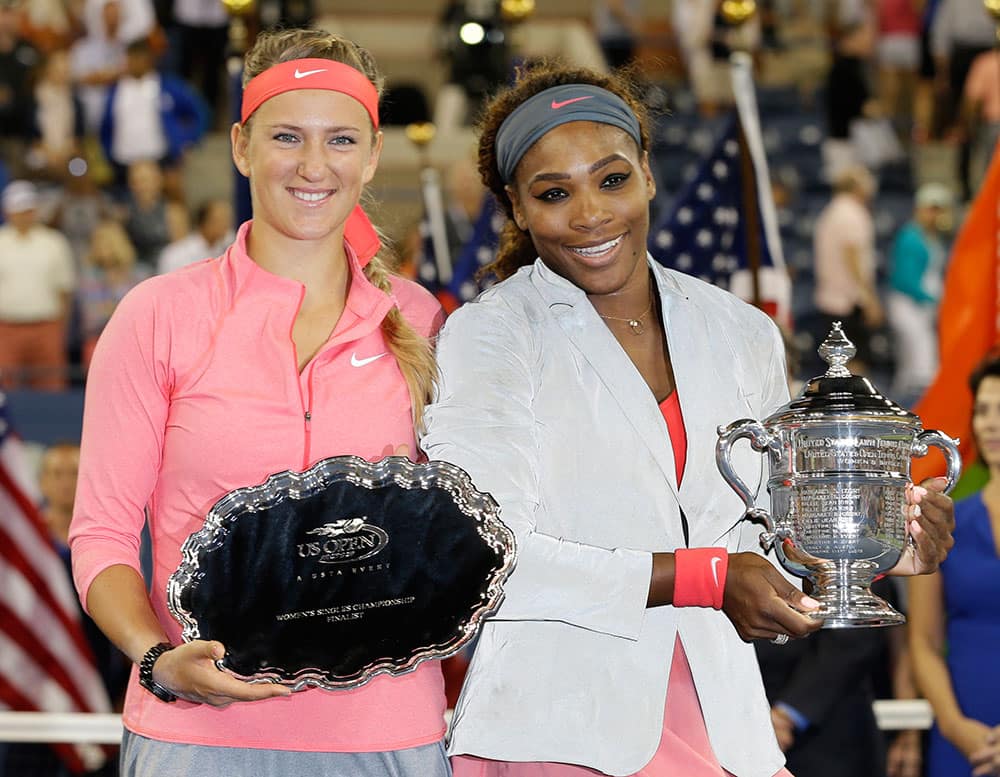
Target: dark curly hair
{"points": [[989, 367], [516, 249]]}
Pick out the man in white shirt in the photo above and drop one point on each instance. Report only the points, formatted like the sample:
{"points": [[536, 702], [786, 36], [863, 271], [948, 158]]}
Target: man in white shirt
{"points": [[138, 127], [98, 60], [844, 250], [37, 280], [149, 115], [212, 233]]}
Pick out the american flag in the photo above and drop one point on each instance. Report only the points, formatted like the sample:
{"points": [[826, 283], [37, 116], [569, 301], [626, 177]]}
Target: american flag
{"points": [[477, 252], [46, 664], [703, 232]]}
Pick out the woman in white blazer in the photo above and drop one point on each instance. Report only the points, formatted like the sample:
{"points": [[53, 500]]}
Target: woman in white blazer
{"points": [[584, 392]]}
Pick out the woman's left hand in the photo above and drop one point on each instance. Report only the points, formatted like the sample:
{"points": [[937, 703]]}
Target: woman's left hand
{"points": [[986, 760], [930, 521]]}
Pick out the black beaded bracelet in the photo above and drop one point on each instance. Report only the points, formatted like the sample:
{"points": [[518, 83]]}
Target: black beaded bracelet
{"points": [[146, 672]]}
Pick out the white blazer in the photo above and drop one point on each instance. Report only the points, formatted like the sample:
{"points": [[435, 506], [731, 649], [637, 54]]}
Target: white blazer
{"points": [[544, 409]]}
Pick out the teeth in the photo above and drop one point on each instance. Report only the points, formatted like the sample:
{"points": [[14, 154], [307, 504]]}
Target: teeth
{"points": [[597, 250], [310, 196]]}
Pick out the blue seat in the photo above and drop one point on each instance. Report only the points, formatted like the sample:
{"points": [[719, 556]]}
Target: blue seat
{"points": [[779, 100], [896, 178]]}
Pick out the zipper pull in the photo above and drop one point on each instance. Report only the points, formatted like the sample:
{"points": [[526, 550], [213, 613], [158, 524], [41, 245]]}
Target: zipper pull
{"points": [[308, 416]]}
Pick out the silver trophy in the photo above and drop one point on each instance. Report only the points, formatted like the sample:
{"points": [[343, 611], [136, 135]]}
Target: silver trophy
{"points": [[839, 457]]}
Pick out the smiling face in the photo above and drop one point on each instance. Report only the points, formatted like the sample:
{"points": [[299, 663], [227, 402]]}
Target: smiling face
{"points": [[986, 420], [582, 192], [308, 154]]}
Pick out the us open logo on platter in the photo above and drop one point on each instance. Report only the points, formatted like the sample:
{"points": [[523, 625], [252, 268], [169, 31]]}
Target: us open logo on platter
{"points": [[345, 541]]}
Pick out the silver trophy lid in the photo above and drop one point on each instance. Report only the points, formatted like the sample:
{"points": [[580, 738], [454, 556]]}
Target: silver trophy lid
{"points": [[838, 391]]}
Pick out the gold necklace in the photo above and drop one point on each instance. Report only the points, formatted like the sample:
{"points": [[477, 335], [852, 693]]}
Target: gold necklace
{"points": [[635, 325]]}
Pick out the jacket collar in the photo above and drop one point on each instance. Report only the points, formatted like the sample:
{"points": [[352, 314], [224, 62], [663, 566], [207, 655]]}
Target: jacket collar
{"points": [[366, 305]]}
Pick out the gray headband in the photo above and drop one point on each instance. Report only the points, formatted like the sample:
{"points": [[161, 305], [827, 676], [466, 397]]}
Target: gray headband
{"points": [[559, 105]]}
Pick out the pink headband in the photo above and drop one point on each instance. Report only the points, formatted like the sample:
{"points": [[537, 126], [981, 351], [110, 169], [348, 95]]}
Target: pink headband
{"points": [[336, 77], [310, 74]]}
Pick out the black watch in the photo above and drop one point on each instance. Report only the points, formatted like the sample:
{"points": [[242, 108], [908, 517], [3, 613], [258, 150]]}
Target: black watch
{"points": [[146, 672]]}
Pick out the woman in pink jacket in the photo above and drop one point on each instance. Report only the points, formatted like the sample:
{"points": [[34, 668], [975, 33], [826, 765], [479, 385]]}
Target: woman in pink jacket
{"points": [[295, 345]]}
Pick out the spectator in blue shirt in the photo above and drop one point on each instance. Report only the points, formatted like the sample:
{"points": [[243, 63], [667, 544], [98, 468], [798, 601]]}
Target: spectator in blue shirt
{"points": [[916, 277]]}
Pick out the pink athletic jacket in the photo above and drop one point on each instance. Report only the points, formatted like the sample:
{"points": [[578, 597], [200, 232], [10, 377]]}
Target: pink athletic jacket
{"points": [[194, 391]]}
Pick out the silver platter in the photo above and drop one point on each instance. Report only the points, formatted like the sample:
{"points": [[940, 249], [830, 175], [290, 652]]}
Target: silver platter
{"points": [[346, 571]]}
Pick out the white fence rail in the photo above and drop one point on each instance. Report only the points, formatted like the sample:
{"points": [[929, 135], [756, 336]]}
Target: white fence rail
{"points": [[902, 715], [75, 727], [107, 729]]}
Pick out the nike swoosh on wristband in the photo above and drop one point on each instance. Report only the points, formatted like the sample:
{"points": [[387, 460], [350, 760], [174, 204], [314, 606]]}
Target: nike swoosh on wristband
{"points": [[715, 572], [556, 106], [303, 73], [356, 362]]}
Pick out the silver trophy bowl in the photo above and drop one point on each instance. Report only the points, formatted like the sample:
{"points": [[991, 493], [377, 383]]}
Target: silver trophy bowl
{"points": [[839, 457]]}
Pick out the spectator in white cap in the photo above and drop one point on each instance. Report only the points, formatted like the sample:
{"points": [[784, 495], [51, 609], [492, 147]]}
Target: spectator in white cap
{"points": [[37, 280], [916, 272]]}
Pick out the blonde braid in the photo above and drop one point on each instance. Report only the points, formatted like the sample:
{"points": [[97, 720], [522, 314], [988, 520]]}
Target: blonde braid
{"points": [[413, 353]]}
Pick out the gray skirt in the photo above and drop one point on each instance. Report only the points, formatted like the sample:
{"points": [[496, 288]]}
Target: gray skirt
{"points": [[143, 757]]}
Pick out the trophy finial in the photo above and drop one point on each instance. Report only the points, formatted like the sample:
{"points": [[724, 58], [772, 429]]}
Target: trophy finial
{"points": [[836, 351]]}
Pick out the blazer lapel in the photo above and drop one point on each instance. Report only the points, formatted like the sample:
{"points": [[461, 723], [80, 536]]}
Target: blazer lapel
{"points": [[705, 374], [692, 358], [579, 321]]}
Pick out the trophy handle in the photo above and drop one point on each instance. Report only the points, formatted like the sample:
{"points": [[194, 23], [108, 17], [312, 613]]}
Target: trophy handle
{"points": [[947, 445], [760, 441]]}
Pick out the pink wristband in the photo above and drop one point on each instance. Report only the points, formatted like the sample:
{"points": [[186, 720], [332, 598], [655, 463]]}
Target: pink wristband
{"points": [[700, 577]]}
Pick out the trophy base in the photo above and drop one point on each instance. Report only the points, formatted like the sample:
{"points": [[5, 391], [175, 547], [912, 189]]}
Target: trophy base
{"points": [[847, 602]]}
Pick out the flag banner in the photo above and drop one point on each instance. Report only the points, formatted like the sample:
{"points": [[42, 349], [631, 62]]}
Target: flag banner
{"points": [[967, 323], [703, 233], [46, 664], [746, 106], [477, 252], [434, 230]]}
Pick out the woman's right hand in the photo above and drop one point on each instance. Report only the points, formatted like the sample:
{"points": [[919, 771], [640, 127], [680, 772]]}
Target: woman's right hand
{"points": [[190, 672], [762, 604]]}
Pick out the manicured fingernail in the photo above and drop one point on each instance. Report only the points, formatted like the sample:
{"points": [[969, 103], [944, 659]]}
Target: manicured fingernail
{"points": [[916, 511], [919, 490], [808, 601]]}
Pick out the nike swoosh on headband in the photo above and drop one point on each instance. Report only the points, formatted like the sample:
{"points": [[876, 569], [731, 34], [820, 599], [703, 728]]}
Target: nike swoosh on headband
{"points": [[303, 73], [356, 362], [557, 105]]}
